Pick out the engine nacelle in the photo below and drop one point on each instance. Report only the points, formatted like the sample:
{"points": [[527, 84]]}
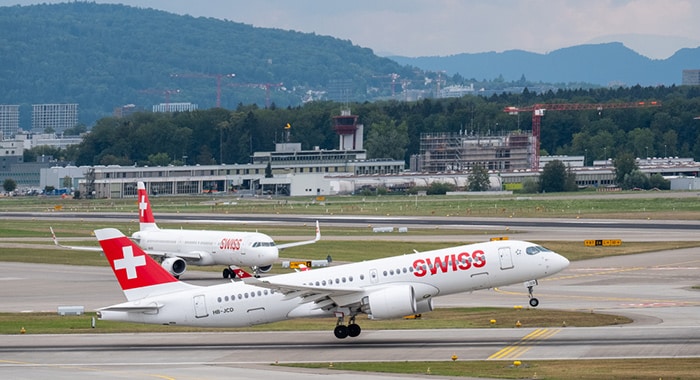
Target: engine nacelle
{"points": [[265, 269], [174, 265], [390, 302], [424, 306]]}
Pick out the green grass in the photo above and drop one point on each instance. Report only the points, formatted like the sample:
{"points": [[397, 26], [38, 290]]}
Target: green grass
{"points": [[667, 205], [639, 369], [446, 318]]}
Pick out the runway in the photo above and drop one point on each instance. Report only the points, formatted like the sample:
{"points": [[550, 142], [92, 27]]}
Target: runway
{"points": [[656, 290]]}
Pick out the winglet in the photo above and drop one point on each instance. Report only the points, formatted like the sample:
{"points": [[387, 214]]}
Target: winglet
{"points": [[298, 243], [80, 248], [146, 219], [53, 236], [138, 274]]}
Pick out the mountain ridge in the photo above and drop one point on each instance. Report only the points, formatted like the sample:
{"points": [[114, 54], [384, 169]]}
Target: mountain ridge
{"points": [[603, 64]]}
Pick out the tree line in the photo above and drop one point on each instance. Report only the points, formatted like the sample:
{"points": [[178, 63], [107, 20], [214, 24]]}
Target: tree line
{"points": [[392, 129]]}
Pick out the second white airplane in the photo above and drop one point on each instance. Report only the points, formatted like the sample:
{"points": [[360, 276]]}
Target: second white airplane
{"points": [[177, 248], [384, 288]]}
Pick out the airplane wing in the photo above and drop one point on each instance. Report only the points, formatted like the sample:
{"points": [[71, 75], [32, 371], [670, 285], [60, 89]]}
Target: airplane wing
{"points": [[76, 247], [322, 297], [298, 243], [191, 255]]}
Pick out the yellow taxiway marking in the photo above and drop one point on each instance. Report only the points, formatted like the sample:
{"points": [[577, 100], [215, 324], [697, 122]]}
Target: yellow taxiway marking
{"points": [[523, 345]]}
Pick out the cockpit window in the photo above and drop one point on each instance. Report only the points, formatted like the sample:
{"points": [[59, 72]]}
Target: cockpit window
{"points": [[536, 249], [263, 244]]}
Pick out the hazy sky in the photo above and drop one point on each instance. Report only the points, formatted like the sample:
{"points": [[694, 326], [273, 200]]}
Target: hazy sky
{"points": [[654, 28]]}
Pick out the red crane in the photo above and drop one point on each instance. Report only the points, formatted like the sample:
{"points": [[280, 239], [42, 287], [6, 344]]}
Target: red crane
{"points": [[218, 77], [539, 109], [266, 86], [394, 77]]}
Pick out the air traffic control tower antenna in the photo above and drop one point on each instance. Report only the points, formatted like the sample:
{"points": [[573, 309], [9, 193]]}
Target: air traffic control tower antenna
{"points": [[349, 131]]}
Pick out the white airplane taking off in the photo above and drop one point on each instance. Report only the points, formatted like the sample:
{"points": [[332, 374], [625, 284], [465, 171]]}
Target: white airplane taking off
{"points": [[201, 247], [384, 288]]}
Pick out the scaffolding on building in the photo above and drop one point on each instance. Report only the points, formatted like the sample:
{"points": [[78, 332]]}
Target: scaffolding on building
{"points": [[458, 152]]}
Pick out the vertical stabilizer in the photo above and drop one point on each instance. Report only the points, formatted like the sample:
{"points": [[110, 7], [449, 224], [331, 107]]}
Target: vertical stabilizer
{"points": [[146, 220], [138, 274]]}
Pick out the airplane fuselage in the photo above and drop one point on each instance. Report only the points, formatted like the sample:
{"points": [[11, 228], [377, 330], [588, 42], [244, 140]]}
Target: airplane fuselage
{"points": [[390, 287], [210, 247]]}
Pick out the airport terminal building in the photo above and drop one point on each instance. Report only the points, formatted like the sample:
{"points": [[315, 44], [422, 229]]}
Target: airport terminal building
{"points": [[327, 173], [291, 172]]}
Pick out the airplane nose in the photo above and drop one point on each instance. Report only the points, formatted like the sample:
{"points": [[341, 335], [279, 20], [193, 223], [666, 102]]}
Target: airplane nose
{"points": [[269, 253], [263, 255], [558, 263]]}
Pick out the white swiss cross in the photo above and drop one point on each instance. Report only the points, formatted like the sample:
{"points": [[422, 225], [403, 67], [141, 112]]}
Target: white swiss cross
{"points": [[129, 262], [143, 205]]}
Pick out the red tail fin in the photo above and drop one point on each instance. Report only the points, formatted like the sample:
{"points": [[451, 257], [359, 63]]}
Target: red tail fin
{"points": [[146, 219], [138, 274], [240, 273]]}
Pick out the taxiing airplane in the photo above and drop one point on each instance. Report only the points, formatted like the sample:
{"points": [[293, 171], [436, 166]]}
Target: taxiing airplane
{"points": [[175, 248], [384, 288]]}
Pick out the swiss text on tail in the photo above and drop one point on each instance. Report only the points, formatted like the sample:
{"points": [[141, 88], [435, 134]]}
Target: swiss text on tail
{"points": [[146, 219], [138, 274]]}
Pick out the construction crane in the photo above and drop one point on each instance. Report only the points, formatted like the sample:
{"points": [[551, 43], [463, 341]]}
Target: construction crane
{"points": [[438, 82], [394, 77], [265, 86], [218, 77], [538, 111]]}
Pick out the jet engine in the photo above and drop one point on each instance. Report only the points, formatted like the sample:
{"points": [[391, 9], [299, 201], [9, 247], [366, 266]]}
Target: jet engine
{"points": [[424, 306], [265, 268], [390, 302], [174, 265]]}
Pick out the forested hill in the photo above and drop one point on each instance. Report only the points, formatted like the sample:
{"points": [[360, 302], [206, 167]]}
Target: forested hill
{"points": [[104, 56]]}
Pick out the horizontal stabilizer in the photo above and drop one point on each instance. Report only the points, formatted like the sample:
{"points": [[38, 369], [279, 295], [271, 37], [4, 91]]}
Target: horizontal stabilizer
{"points": [[130, 307]]}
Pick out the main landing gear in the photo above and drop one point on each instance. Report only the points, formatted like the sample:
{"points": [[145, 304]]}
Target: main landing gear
{"points": [[533, 301], [351, 330], [229, 273]]}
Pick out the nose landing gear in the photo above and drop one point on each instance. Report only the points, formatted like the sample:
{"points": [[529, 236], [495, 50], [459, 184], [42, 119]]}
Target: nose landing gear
{"points": [[534, 302]]}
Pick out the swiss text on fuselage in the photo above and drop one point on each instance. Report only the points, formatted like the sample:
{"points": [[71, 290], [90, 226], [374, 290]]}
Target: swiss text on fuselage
{"points": [[449, 263], [232, 244]]}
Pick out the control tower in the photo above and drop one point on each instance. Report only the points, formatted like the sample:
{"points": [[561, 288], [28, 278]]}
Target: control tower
{"points": [[349, 131]]}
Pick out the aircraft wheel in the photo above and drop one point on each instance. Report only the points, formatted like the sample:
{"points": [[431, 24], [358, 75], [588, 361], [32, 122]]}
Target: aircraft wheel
{"points": [[227, 273], [354, 330], [341, 331], [534, 302]]}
